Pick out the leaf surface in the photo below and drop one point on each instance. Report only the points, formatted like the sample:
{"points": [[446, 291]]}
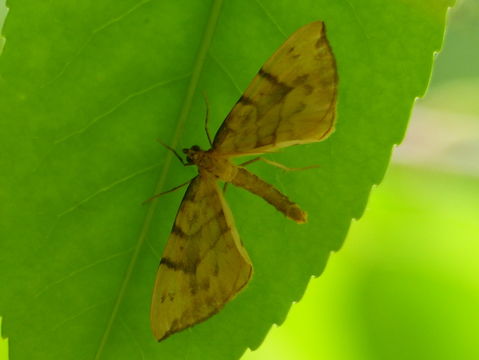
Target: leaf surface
{"points": [[85, 92]]}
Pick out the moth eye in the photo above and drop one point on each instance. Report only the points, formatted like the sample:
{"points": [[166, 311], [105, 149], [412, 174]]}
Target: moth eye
{"points": [[195, 148]]}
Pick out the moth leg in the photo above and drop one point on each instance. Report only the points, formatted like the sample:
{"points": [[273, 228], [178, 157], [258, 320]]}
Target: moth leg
{"points": [[250, 161], [206, 119], [167, 192], [225, 186], [276, 164]]}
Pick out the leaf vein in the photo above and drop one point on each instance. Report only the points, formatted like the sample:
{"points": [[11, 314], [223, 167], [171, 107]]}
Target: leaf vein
{"points": [[121, 16], [80, 270], [88, 198], [226, 71], [107, 187], [358, 20], [115, 107], [91, 37], [271, 18], [77, 315], [158, 256], [132, 336]]}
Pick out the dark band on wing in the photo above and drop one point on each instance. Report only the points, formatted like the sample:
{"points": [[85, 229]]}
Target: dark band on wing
{"points": [[270, 77], [178, 231], [245, 100], [189, 268]]}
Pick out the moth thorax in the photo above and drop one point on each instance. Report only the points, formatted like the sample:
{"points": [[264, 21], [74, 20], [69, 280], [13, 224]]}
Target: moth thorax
{"points": [[221, 167]]}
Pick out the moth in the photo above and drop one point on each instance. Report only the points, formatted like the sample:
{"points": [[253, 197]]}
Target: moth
{"points": [[291, 100]]}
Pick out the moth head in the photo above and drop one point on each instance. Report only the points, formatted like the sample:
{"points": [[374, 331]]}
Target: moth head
{"points": [[192, 154]]}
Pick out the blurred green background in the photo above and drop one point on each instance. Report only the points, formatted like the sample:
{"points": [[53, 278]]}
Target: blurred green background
{"points": [[405, 284]]}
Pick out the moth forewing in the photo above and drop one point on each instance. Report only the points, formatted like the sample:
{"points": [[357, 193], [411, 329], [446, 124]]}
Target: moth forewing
{"points": [[292, 99]]}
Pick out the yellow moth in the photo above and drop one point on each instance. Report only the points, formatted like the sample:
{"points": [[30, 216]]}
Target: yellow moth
{"points": [[292, 100]]}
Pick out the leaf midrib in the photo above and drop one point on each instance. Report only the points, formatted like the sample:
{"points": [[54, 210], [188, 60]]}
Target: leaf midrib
{"points": [[185, 110]]}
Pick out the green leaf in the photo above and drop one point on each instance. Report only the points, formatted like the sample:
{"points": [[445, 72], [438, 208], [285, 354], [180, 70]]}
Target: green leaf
{"points": [[85, 92]]}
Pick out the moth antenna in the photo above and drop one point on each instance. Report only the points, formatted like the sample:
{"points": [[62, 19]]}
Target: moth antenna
{"points": [[205, 98]]}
